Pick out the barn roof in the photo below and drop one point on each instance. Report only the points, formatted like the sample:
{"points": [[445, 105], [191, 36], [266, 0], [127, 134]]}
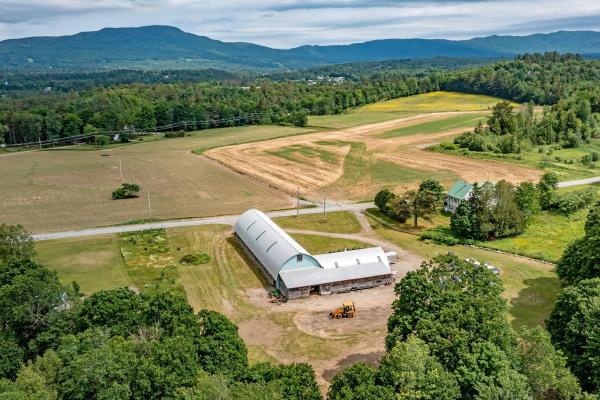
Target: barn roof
{"points": [[267, 241], [352, 257], [460, 189], [296, 278]]}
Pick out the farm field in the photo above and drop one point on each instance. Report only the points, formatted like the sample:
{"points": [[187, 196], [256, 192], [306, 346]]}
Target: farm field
{"points": [[405, 107], [353, 163], [566, 163], [70, 189]]}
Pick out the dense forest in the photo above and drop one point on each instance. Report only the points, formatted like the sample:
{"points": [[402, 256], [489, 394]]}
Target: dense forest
{"points": [[567, 82]]}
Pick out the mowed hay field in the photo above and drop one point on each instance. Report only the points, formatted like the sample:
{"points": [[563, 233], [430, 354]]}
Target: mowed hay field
{"points": [[353, 163], [69, 189]]}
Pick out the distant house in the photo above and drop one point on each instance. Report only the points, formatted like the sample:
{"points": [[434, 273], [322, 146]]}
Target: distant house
{"points": [[459, 192]]}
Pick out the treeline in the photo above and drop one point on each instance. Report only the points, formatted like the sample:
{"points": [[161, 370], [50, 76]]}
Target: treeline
{"points": [[568, 123], [142, 107], [18, 84], [541, 78], [118, 344]]}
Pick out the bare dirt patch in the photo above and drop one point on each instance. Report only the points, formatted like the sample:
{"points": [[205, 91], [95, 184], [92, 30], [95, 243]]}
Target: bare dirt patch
{"points": [[260, 332]]}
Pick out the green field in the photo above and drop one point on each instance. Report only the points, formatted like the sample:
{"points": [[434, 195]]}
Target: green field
{"points": [[566, 163], [405, 107], [468, 121], [529, 287], [338, 221], [94, 262], [547, 236]]}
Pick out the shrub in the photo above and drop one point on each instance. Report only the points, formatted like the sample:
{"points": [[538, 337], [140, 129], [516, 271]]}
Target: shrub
{"points": [[102, 140], [195, 259], [587, 160], [442, 235], [175, 134], [595, 156], [126, 191], [573, 201]]}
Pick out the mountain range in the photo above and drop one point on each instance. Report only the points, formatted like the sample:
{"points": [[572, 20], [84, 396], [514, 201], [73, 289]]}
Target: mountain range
{"points": [[169, 47]]}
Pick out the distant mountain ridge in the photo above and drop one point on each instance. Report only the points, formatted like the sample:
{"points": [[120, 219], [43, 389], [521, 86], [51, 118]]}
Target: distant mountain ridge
{"points": [[164, 46]]}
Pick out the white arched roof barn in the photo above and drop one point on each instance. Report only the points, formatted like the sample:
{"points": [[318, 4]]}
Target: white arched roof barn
{"points": [[298, 273]]}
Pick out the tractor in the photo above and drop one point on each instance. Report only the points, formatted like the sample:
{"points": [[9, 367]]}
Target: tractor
{"points": [[347, 310]]}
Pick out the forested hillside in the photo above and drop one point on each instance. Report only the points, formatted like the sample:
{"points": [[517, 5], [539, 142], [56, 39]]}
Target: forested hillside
{"points": [[542, 79], [166, 47]]}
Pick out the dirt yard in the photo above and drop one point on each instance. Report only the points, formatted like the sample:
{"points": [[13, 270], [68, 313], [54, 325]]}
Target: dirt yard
{"points": [[317, 161]]}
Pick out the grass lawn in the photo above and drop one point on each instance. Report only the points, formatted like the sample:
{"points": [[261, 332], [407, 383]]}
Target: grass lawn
{"points": [[566, 163], [66, 189], [546, 237], [529, 287], [468, 121], [94, 262], [321, 244], [338, 221], [436, 219]]}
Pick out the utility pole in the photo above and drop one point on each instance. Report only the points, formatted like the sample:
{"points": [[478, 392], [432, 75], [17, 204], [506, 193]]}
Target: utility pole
{"points": [[298, 203], [324, 210], [149, 206], [121, 169]]}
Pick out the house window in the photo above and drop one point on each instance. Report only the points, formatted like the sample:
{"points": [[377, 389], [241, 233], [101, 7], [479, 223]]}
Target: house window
{"points": [[298, 257]]}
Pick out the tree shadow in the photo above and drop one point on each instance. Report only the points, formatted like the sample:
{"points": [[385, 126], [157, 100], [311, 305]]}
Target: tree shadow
{"points": [[372, 358], [534, 303]]}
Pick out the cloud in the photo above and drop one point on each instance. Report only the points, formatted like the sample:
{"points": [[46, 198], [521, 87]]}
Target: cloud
{"points": [[288, 23]]}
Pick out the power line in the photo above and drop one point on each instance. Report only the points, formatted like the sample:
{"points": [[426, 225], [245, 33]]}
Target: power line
{"points": [[201, 124]]}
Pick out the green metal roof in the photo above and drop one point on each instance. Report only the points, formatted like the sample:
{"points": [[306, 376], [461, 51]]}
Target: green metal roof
{"points": [[460, 189]]}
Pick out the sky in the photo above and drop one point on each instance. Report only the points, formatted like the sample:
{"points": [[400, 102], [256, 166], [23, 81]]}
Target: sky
{"points": [[290, 23]]}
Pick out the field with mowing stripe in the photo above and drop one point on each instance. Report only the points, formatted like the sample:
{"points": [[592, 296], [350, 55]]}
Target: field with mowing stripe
{"points": [[467, 121], [353, 163], [69, 189]]}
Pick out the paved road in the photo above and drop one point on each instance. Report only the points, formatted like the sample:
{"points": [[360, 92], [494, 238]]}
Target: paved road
{"points": [[230, 219], [579, 182], [227, 220]]}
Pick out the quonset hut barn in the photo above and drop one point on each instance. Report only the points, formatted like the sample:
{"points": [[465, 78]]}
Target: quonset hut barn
{"points": [[297, 273]]}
